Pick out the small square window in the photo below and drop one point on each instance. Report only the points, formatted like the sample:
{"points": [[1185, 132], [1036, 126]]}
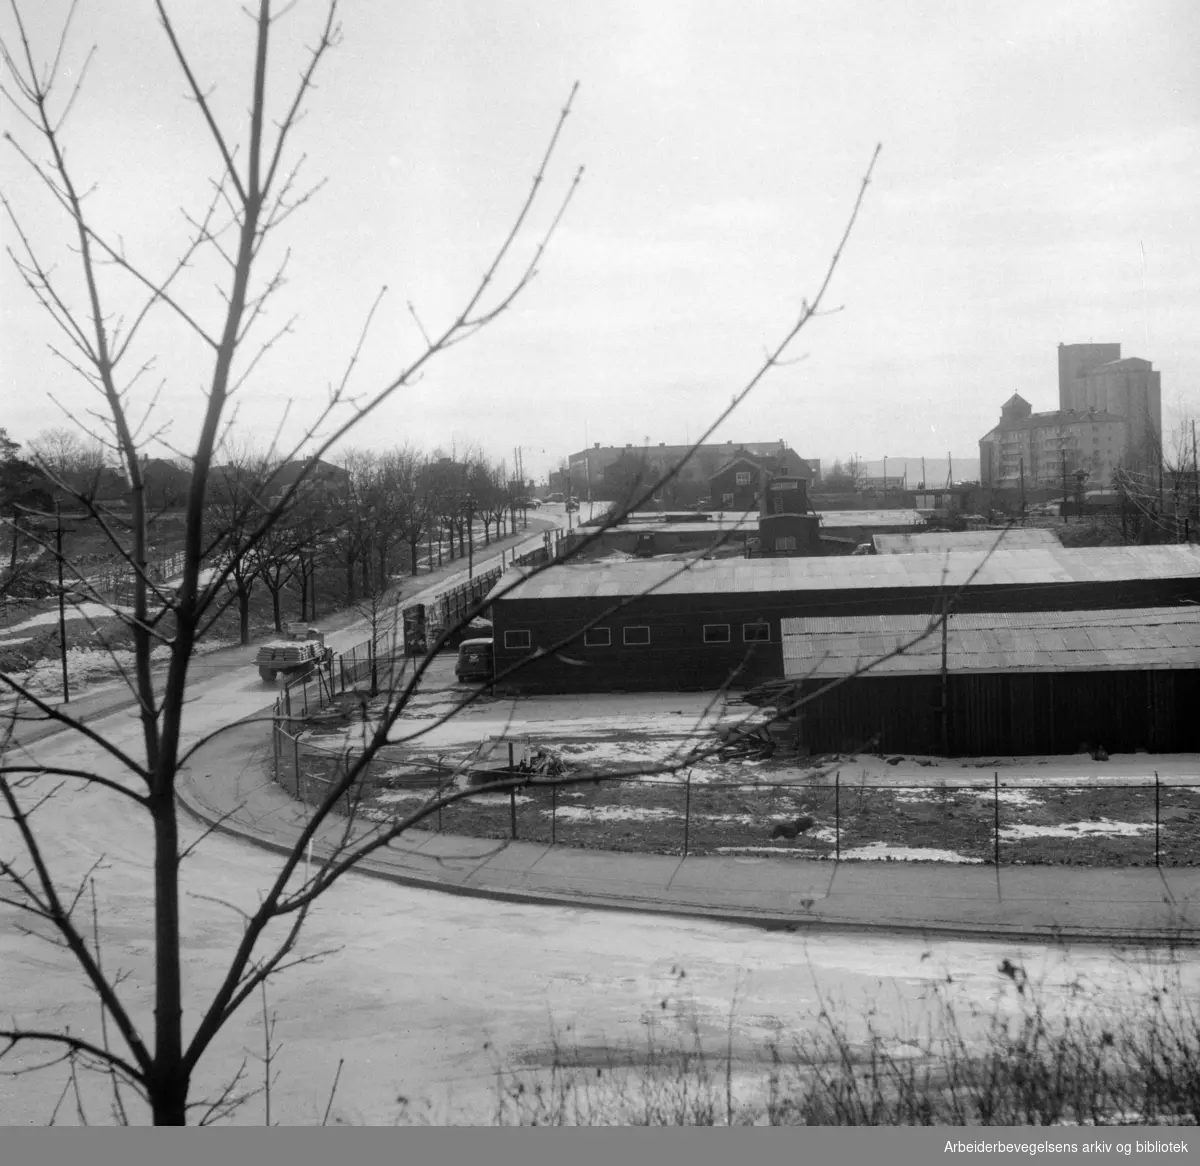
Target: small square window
{"points": [[517, 639], [639, 635], [716, 633], [786, 542], [727, 499], [743, 478], [755, 632], [597, 638]]}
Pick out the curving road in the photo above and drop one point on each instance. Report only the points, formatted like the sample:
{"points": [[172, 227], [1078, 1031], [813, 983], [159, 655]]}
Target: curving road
{"points": [[420, 992]]}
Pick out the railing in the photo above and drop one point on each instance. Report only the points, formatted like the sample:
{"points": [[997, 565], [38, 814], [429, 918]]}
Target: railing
{"points": [[324, 683], [1148, 823]]}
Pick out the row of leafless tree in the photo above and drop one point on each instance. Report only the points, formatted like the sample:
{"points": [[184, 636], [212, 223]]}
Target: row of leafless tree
{"points": [[369, 517]]}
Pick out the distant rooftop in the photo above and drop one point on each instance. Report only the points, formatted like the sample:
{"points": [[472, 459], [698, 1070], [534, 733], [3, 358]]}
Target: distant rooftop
{"points": [[1049, 641], [938, 542], [1028, 566], [839, 518]]}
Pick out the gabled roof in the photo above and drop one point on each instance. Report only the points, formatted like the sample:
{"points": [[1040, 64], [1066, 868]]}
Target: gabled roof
{"points": [[1130, 639], [940, 541], [1020, 567]]}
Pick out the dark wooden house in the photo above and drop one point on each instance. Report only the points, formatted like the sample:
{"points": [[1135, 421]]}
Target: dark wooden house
{"points": [[668, 624], [998, 683], [739, 484]]}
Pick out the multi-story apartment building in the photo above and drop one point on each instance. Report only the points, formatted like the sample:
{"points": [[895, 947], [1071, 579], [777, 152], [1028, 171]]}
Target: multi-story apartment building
{"points": [[1094, 377], [1109, 415], [1030, 450]]}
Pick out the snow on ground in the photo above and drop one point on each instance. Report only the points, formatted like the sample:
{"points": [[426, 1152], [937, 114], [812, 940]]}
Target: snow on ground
{"points": [[87, 667], [89, 611], [882, 852], [615, 813], [1104, 828]]}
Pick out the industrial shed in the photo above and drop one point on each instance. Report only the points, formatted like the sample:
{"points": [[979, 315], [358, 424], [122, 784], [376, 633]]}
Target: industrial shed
{"points": [[667, 624], [1010, 683], [939, 542]]}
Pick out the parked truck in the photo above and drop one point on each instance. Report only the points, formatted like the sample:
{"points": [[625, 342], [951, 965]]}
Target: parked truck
{"points": [[303, 650]]}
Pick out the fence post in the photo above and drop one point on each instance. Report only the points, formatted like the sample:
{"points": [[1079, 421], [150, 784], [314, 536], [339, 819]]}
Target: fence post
{"points": [[996, 804], [1156, 819], [687, 812], [296, 762], [837, 816], [553, 813], [512, 810]]}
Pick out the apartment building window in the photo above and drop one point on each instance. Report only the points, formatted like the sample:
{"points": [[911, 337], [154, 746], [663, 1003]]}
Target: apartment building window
{"points": [[743, 478], [636, 636], [517, 639], [597, 638], [716, 633], [754, 633]]}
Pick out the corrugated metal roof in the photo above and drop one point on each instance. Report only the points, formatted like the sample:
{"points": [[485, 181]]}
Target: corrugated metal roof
{"points": [[840, 518], [1040, 641], [1030, 566], [941, 541]]}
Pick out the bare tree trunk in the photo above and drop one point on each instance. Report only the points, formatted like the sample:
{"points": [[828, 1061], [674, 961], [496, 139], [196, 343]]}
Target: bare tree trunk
{"points": [[243, 598], [275, 608], [168, 1085], [303, 589]]}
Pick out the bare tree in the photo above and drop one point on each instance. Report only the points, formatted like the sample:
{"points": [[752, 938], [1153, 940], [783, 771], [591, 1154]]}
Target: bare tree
{"points": [[254, 195]]}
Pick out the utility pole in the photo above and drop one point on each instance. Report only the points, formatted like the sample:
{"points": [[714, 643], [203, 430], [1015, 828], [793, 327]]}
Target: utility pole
{"points": [[1195, 483], [62, 602], [1062, 449], [945, 679], [1022, 489]]}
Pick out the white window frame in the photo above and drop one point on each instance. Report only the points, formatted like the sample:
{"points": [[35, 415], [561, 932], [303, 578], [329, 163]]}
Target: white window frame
{"points": [[742, 477], [713, 626], [589, 642], [747, 638], [510, 637], [627, 642]]}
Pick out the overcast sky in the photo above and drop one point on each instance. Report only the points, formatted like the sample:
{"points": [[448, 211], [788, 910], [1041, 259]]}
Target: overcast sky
{"points": [[1038, 183]]}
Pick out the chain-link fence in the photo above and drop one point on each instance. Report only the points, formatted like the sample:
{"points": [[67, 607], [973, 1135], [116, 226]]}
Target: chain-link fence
{"points": [[1149, 823]]}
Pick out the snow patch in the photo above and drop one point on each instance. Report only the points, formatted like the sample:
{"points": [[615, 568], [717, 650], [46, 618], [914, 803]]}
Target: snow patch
{"points": [[1103, 828], [498, 799], [882, 852], [91, 611], [615, 813]]}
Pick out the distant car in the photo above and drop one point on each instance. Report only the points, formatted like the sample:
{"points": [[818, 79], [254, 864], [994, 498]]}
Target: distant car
{"points": [[554, 497], [474, 660], [572, 505], [532, 503]]}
